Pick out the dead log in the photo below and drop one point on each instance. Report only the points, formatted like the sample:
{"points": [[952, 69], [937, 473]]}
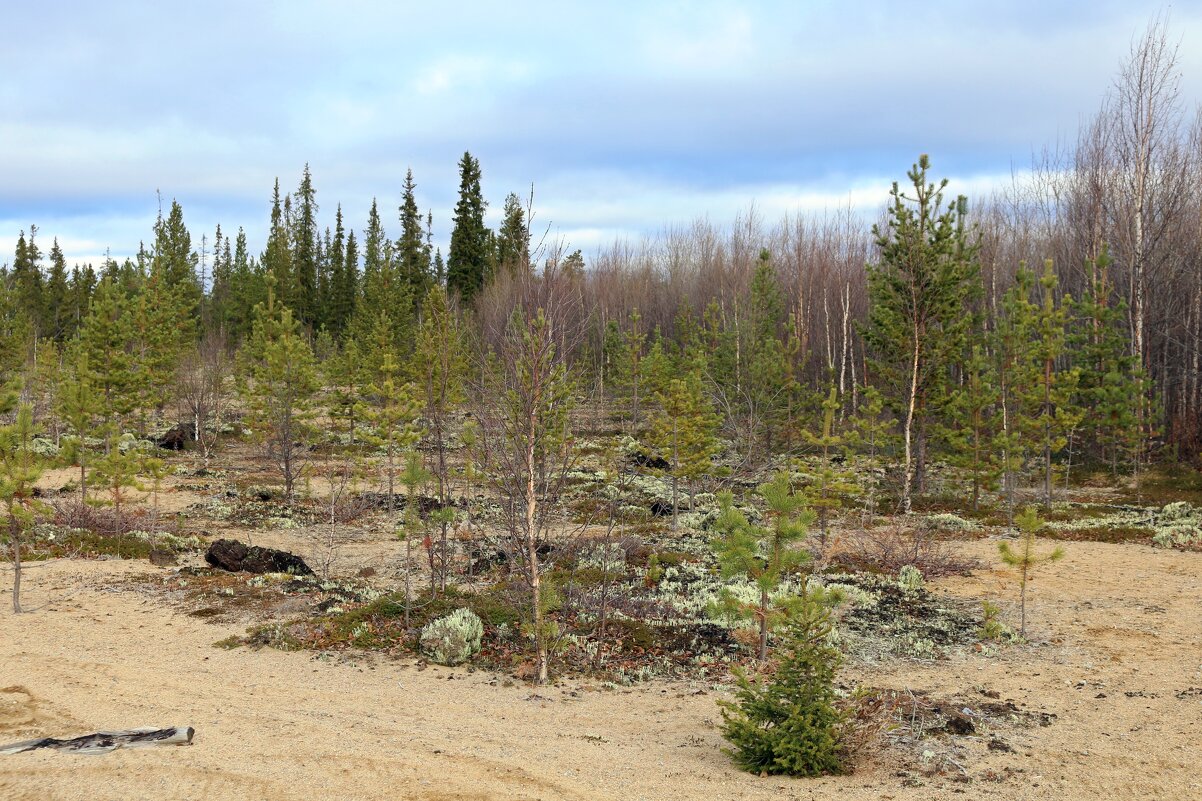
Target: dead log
{"points": [[105, 741]]}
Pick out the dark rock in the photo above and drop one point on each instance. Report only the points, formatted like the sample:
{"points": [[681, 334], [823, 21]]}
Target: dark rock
{"points": [[177, 437], [236, 556], [161, 557], [1000, 745], [958, 723], [661, 509], [650, 462]]}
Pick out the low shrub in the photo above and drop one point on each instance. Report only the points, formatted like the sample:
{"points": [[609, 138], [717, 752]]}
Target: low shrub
{"points": [[452, 639]]}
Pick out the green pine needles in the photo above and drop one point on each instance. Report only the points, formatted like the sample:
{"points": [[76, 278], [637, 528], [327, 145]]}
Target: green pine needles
{"points": [[1024, 559], [788, 723]]}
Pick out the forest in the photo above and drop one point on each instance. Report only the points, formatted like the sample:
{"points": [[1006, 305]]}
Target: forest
{"points": [[768, 457]]}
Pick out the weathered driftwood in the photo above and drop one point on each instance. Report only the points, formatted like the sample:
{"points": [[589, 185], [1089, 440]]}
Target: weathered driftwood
{"points": [[105, 741]]}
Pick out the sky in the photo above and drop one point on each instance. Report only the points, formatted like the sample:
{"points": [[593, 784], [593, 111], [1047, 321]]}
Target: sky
{"points": [[625, 117]]}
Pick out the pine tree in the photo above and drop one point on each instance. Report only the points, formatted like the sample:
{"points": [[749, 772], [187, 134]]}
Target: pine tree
{"points": [[106, 344], [118, 472], [765, 555], [160, 325], [972, 407], [919, 291], [526, 430], [767, 371], [683, 432], [870, 435], [788, 723], [440, 365], [20, 469], [468, 257], [1110, 384], [830, 483], [1056, 416], [390, 411], [1025, 559], [628, 368], [282, 382]]}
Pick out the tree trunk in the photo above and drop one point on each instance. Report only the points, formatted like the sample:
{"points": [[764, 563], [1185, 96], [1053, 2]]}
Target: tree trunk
{"points": [[909, 429], [532, 553], [14, 528], [763, 625]]}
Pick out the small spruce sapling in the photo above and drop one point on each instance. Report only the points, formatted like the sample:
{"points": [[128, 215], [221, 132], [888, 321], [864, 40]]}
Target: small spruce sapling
{"points": [[1024, 558], [788, 723]]}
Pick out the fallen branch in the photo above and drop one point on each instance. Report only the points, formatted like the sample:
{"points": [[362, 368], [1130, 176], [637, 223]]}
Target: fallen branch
{"points": [[105, 741]]}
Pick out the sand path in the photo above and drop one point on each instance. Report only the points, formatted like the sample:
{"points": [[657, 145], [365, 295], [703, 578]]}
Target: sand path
{"points": [[273, 725]]}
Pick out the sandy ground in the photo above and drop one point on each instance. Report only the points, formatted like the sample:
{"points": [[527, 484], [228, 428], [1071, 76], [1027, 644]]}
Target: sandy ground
{"points": [[1122, 649]]}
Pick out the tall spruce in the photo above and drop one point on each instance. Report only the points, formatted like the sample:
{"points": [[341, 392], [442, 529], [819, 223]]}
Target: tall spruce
{"points": [[513, 238], [412, 255], [468, 257], [305, 257]]}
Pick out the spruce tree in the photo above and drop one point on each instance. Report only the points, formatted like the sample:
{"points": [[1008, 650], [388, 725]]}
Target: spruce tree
{"points": [[305, 258], [413, 260], [468, 257], [60, 321], [175, 261], [16, 334], [919, 290], [513, 238], [385, 292], [27, 280], [787, 722], [342, 285], [277, 258]]}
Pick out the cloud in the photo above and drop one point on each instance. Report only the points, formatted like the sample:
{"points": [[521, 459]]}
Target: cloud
{"points": [[626, 116]]}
